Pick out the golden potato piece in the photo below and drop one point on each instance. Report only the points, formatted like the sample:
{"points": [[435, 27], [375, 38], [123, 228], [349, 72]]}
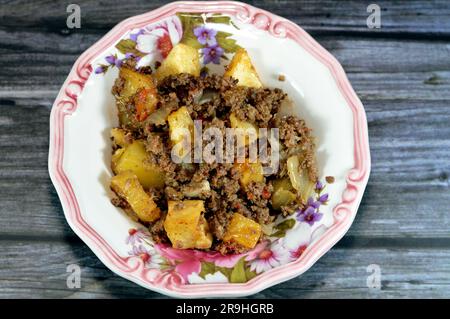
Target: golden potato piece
{"points": [[181, 59], [127, 186], [179, 121], [133, 81], [145, 102], [186, 226], [116, 157], [242, 69], [250, 172], [242, 231], [134, 158], [250, 130], [180, 124]]}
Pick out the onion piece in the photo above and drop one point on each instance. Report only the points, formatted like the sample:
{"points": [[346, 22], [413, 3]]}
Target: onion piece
{"points": [[299, 178], [196, 189], [159, 117]]}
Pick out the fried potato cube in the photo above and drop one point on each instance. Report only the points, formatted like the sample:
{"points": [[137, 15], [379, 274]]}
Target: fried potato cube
{"points": [[242, 231], [186, 226], [242, 69], [134, 158], [134, 81], [250, 172], [249, 130], [181, 59], [116, 157], [181, 128], [127, 186], [179, 121], [145, 102]]}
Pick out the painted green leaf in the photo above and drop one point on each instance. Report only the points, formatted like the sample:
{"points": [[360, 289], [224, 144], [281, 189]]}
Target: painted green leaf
{"points": [[282, 227], [128, 46], [228, 44], [225, 271], [218, 18], [191, 40], [285, 225], [190, 18], [238, 272], [279, 234], [207, 268], [250, 274], [189, 21]]}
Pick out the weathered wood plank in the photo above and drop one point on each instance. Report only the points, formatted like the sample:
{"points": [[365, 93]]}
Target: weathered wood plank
{"points": [[378, 68], [38, 270], [408, 125], [417, 17]]}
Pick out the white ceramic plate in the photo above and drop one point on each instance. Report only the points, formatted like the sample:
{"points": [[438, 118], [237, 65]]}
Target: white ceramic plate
{"points": [[80, 150]]}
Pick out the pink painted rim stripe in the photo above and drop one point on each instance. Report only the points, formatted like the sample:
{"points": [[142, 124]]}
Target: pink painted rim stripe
{"points": [[66, 104]]}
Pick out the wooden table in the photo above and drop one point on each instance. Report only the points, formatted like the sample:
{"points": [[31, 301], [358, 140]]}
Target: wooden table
{"points": [[401, 73]]}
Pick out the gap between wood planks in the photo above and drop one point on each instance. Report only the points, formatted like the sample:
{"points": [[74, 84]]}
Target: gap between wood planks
{"points": [[347, 242]]}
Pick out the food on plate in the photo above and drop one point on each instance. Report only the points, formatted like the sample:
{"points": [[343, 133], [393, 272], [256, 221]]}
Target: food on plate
{"points": [[242, 231], [186, 225], [242, 69], [201, 204], [127, 186], [181, 59]]}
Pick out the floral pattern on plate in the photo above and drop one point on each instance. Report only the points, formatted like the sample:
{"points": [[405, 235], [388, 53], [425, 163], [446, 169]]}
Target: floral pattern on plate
{"points": [[151, 44], [288, 239]]}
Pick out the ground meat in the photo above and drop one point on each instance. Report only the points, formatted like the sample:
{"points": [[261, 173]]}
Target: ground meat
{"points": [[120, 202], [186, 86], [157, 231], [212, 98], [228, 248], [296, 138], [254, 105]]}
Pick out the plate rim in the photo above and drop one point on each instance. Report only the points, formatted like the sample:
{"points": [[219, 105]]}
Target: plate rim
{"points": [[344, 212]]}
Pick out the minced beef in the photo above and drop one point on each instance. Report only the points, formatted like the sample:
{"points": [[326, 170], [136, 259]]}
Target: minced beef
{"points": [[296, 138], [212, 98]]}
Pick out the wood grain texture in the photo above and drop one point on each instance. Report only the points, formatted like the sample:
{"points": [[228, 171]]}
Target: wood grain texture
{"points": [[401, 72], [397, 17], [341, 273]]}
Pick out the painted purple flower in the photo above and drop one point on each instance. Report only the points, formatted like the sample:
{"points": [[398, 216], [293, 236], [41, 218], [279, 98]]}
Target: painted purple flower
{"points": [[323, 198], [319, 186], [134, 36], [205, 36], [311, 202], [212, 54], [309, 216], [100, 69], [111, 59]]}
